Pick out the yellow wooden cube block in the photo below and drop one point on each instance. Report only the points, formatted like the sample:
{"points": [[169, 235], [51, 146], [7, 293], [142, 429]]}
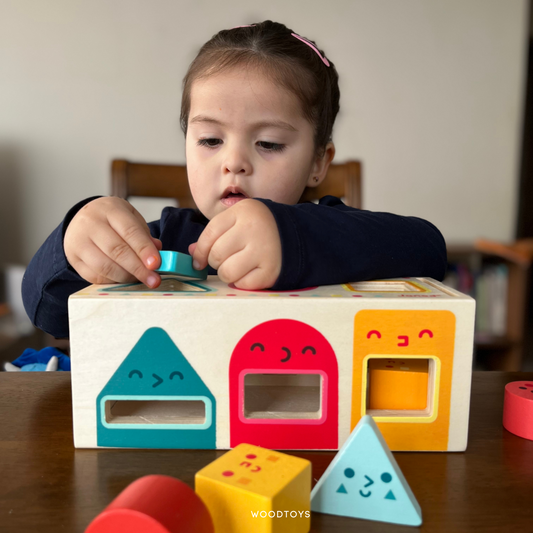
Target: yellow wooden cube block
{"points": [[398, 383], [255, 489]]}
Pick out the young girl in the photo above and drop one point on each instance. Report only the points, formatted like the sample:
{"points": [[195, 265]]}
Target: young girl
{"points": [[258, 108]]}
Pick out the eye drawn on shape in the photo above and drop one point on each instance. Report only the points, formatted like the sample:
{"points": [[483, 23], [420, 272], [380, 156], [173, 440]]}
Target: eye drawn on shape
{"points": [[135, 372], [309, 348], [428, 331], [370, 481], [257, 345], [373, 332], [176, 373]]}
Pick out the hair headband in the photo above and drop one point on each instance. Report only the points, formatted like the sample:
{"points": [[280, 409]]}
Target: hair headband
{"points": [[300, 38], [304, 40]]}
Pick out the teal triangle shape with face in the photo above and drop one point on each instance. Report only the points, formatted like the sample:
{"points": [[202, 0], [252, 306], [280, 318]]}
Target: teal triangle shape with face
{"points": [[376, 472], [342, 489], [156, 371]]}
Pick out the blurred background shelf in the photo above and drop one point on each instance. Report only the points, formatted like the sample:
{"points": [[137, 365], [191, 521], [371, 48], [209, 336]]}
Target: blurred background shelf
{"points": [[498, 277]]}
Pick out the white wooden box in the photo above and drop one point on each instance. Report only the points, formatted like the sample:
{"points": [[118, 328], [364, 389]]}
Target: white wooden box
{"points": [[206, 365]]}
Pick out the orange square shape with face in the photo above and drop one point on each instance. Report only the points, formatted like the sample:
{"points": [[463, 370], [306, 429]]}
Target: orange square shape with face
{"points": [[404, 334]]}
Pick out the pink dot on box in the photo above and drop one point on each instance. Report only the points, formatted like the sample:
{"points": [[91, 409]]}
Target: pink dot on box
{"points": [[518, 409]]}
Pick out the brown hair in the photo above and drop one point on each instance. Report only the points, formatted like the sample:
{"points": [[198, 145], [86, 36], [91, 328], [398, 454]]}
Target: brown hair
{"points": [[287, 60]]}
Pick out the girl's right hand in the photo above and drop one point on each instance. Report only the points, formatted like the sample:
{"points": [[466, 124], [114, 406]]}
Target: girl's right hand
{"points": [[108, 241]]}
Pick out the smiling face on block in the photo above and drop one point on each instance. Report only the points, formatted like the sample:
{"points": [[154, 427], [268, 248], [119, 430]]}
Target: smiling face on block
{"points": [[364, 484], [247, 137], [284, 344], [299, 363], [399, 344]]}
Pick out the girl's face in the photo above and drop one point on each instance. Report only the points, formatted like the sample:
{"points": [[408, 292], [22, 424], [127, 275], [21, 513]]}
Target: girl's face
{"points": [[247, 138]]}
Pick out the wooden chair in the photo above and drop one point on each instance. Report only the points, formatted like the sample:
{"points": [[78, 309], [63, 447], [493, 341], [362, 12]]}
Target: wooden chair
{"points": [[170, 181]]}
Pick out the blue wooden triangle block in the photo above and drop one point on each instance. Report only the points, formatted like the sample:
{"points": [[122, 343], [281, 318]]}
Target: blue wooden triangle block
{"points": [[365, 481]]}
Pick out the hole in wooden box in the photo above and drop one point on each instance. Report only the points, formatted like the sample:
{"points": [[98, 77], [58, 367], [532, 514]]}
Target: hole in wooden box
{"points": [[385, 286], [282, 396], [155, 412], [401, 387]]}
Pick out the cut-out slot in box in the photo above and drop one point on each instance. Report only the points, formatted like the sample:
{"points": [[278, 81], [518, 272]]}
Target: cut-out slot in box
{"points": [[206, 365], [398, 384], [282, 396]]}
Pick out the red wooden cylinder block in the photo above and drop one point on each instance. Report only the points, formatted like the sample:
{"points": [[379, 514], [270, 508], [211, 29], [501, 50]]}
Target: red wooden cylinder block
{"points": [[518, 408], [154, 504]]}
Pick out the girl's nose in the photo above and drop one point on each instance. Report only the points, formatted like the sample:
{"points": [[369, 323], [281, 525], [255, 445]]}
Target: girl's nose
{"points": [[237, 162]]}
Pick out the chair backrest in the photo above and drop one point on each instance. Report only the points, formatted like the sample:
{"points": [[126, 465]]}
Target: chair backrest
{"points": [[342, 180], [170, 181], [148, 179]]}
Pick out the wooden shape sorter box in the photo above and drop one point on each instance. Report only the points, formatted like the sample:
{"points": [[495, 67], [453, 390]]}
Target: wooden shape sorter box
{"points": [[206, 365]]}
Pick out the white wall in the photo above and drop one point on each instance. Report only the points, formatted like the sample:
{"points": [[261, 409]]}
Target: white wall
{"points": [[431, 101]]}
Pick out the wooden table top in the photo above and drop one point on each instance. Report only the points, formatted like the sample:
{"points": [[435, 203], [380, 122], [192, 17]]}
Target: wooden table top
{"points": [[48, 485]]}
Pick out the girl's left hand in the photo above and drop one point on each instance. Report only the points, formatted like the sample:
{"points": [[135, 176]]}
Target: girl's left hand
{"points": [[242, 243]]}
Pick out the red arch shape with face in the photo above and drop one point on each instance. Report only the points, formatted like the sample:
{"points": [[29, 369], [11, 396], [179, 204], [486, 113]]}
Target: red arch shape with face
{"points": [[279, 338]]}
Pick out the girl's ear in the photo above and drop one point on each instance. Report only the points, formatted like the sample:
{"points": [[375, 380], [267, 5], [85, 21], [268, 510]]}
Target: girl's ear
{"points": [[321, 165]]}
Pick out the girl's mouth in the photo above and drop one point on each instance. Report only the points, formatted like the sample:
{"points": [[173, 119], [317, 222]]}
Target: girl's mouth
{"points": [[232, 195]]}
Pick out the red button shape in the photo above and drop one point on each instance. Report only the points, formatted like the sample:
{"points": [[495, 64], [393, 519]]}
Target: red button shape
{"points": [[518, 409]]}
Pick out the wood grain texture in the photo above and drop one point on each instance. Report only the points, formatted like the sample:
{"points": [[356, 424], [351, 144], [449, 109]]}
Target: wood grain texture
{"points": [[48, 485]]}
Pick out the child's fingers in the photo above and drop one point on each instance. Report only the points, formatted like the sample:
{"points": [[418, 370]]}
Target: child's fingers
{"points": [[102, 265], [118, 253], [83, 270], [87, 274], [236, 267], [253, 281], [132, 228], [157, 242], [225, 247], [191, 248], [213, 231], [140, 218]]}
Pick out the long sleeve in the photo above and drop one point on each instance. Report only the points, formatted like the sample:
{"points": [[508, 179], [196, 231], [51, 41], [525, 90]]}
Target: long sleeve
{"points": [[49, 279], [321, 244], [332, 243]]}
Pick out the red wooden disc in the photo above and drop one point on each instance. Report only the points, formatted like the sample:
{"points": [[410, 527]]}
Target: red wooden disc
{"points": [[518, 408], [154, 504]]}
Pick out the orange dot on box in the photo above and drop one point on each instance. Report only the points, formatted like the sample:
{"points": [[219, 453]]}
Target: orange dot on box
{"points": [[518, 408], [154, 504], [398, 384]]}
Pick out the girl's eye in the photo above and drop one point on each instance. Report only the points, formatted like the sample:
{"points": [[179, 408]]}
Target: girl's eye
{"points": [[271, 147], [210, 143]]}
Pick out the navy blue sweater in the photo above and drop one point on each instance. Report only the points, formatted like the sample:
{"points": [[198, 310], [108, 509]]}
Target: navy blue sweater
{"points": [[322, 244]]}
